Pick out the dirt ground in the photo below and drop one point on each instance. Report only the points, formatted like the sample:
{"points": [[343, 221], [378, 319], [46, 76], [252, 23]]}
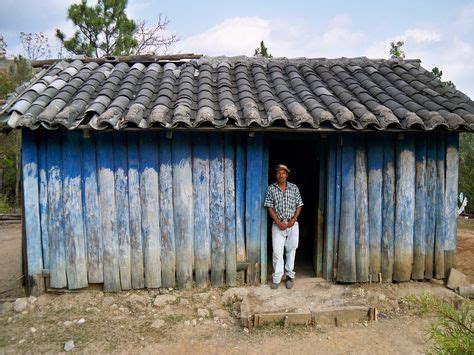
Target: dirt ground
{"points": [[206, 321]]}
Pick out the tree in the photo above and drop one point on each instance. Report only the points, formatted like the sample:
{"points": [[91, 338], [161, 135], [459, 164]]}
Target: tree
{"points": [[396, 50], [35, 45], [438, 73], [152, 38], [3, 46], [262, 51]]}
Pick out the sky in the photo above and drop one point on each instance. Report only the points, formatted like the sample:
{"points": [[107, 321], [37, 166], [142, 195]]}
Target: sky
{"points": [[440, 33]]}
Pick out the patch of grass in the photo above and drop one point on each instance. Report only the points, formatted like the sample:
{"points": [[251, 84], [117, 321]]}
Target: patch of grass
{"points": [[278, 329], [173, 319], [453, 329]]}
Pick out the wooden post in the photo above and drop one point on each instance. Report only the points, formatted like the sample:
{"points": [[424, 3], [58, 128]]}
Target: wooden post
{"points": [[330, 208], [430, 227], [319, 245], [122, 208], [57, 258], [346, 262], [136, 244], [337, 208], [76, 264], [149, 197], [361, 211], [43, 196], [240, 197], [405, 207], [229, 198], [202, 232], [183, 208], [105, 162], [452, 171], [34, 249], [419, 234], [375, 183], [440, 234], [264, 213], [167, 237], [388, 207]]}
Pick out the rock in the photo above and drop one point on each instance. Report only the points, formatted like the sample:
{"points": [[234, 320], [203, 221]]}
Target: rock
{"points": [[203, 313], [184, 301], [68, 323], [162, 300], [437, 282], [32, 300], [456, 279], [43, 300], [135, 299], [203, 296], [108, 301], [5, 307], [157, 324], [21, 341], [187, 322], [382, 297], [20, 304], [33, 329], [69, 345], [221, 313], [164, 291], [246, 330], [194, 322], [239, 292], [467, 291], [81, 321]]}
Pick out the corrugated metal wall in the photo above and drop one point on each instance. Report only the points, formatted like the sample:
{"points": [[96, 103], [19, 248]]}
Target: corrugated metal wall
{"points": [[134, 210], [391, 206]]}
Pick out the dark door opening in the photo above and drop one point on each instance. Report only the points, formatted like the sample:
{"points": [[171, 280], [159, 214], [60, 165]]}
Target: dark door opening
{"points": [[301, 154]]}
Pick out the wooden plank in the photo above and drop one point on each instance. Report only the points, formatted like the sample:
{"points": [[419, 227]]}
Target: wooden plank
{"points": [[431, 182], [361, 211], [375, 183], [183, 207], [330, 209], [149, 197], [202, 232], [452, 171], [405, 207], [122, 208], [57, 256], [337, 208], [43, 196], [264, 213], [240, 197], [229, 198], [318, 259], [32, 224], [346, 261], [217, 204], [440, 233], [168, 247], [253, 210], [419, 234], [105, 162], [76, 263], [135, 216], [388, 207], [91, 210]]}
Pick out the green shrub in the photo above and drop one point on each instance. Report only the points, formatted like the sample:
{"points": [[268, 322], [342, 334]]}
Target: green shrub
{"points": [[6, 205]]}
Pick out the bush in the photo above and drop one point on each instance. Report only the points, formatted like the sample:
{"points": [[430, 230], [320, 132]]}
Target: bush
{"points": [[6, 205], [453, 329]]}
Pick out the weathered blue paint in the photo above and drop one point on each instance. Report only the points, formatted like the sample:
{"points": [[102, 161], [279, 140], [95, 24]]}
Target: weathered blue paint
{"points": [[254, 203], [337, 207], [452, 167], [168, 247], [183, 207], [43, 196], [31, 206], [105, 161], [431, 182], [419, 234], [122, 208], [319, 245], [264, 213], [361, 211], [388, 207], [229, 200], [57, 255], [375, 183], [405, 207], [440, 233], [330, 209], [346, 261], [240, 168], [202, 232], [136, 245], [217, 203], [149, 196], [76, 265]]}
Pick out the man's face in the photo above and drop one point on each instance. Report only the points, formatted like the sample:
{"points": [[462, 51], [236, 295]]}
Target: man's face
{"points": [[281, 175]]}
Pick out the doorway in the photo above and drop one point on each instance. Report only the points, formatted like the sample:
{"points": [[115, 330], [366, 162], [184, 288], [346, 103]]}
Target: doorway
{"points": [[301, 153]]}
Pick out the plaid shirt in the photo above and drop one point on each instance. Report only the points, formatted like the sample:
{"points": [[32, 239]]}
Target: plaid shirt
{"points": [[283, 203]]}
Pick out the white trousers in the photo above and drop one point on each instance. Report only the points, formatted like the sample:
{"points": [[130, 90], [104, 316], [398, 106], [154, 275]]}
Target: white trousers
{"points": [[284, 240]]}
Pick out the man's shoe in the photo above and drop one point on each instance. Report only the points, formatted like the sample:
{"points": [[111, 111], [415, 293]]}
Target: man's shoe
{"points": [[274, 286], [289, 283]]}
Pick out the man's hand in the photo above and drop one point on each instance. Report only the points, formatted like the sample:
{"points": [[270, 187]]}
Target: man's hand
{"points": [[281, 225], [291, 223]]}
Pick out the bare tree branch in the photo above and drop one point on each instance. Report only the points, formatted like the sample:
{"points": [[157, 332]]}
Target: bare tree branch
{"points": [[155, 38], [35, 45]]}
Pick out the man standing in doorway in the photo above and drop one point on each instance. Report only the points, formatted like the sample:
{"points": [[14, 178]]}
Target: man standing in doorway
{"points": [[283, 200]]}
